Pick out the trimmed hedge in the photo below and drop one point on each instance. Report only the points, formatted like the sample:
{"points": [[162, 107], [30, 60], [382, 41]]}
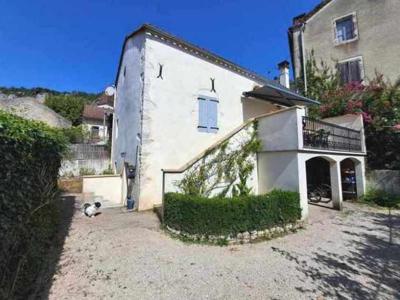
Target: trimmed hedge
{"points": [[30, 156], [228, 216]]}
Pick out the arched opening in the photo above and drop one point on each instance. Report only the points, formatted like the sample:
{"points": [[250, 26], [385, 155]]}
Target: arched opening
{"points": [[319, 181], [348, 178]]}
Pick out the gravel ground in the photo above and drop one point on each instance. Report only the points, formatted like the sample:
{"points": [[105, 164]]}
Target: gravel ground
{"points": [[341, 255]]}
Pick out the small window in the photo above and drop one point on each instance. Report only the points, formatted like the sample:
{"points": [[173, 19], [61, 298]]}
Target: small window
{"points": [[94, 132], [116, 128], [345, 29], [350, 71], [208, 114]]}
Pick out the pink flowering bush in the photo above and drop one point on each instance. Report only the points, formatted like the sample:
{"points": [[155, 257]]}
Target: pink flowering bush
{"points": [[377, 101]]}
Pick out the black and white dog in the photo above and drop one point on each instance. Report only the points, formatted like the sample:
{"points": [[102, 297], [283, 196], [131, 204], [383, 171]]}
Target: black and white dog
{"points": [[90, 210]]}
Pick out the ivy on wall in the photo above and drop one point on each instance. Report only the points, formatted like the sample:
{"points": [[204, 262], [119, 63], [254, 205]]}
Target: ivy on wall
{"points": [[225, 169]]}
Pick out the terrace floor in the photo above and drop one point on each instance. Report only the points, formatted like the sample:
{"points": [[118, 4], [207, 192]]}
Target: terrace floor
{"points": [[353, 254]]}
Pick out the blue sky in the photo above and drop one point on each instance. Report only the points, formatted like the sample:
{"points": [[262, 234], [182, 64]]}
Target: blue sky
{"points": [[75, 44]]}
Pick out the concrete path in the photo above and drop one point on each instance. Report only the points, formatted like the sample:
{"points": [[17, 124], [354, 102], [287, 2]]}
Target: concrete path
{"points": [[354, 254]]}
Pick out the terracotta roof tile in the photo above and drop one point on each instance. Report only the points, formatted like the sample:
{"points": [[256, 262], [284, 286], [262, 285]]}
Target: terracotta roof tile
{"points": [[93, 112]]}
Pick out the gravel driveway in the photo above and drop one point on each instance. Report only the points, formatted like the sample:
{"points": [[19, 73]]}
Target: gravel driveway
{"points": [[341, 255]]}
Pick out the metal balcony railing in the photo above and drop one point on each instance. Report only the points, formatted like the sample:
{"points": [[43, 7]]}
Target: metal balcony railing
{"points": [[322, 135]]}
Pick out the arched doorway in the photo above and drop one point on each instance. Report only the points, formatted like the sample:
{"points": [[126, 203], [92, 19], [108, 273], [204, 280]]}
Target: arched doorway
{"points": [[319, 181], [348, 178]]}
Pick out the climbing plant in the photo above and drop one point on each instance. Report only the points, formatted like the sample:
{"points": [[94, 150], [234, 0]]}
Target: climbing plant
{"points": [[226, 168]]}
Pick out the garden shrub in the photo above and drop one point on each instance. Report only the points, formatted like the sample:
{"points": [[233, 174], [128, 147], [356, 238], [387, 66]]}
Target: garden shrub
{"points": [[195, 214], [30, 157], [381, 198]]}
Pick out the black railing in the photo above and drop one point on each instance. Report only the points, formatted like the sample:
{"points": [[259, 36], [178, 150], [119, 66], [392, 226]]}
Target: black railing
{"points": [[322, 135]]}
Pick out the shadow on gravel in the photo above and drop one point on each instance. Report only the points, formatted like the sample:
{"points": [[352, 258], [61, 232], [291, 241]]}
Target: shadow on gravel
{"points": [[67, 208], [369, 270]]}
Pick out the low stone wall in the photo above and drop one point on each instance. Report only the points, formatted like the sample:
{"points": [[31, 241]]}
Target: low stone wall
{"points": [[75, 167], [86, 159], [387, 180], [240, 238]]}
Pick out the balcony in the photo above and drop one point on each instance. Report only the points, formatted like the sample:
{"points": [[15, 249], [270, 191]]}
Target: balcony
{"points": [[326, 136], [291, 130]]}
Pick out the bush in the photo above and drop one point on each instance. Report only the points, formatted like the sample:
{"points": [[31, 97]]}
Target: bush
{"points": [[224, 216], [30, 157], [87, 171], [381, 198], [76, 134], [69, 106]]}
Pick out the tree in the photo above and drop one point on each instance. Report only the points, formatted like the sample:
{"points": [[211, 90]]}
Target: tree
{"points": [[68, 106]]}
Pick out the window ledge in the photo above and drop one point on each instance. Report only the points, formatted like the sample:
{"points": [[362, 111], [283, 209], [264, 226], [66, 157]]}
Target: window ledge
{"points": [[336, 43]]}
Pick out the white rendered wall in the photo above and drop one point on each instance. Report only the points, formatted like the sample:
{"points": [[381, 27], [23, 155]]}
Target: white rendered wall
{"points": [[287, 170], [170, 111], [282, 131], [106, 189], [102, 129], [128, 102]]}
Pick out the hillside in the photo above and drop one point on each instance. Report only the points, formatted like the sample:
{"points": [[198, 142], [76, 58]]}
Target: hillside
{"points": [[33, 92]]}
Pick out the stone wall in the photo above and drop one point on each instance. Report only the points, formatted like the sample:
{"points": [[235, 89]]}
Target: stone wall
{"points": [[387, 180], [85, 157]]}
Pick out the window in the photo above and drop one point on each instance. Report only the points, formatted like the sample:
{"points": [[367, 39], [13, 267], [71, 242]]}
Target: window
{"points": [[350, 70], [208, 114], [116, 128], [94, 132], [345, 29]]}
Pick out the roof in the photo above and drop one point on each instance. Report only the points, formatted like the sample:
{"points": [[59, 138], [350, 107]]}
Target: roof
{"points": [[300, 19], [192, 49], [94, 112], [30, 108], [277, 93], [105, 100]]}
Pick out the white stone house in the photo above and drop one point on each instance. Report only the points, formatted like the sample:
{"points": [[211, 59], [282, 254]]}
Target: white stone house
{"points": [[94, 119], [174, 100]]}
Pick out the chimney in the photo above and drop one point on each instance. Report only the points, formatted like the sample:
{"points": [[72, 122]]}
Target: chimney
{"points": [[284, 73]]}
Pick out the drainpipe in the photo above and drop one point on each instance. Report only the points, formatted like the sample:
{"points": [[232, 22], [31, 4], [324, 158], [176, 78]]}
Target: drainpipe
{"points": [[303, 58]]}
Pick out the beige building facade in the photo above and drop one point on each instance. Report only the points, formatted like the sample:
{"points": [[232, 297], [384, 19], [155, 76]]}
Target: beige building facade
{"points": [[358, 37]]}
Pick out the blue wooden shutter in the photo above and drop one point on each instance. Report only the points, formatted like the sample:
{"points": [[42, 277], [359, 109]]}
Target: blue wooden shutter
{"points": [[203, 120], [212, 115]]}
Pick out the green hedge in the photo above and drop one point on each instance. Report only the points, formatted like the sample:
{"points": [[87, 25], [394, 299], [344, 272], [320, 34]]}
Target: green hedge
{"points": [[225, 216], [30, 156]]}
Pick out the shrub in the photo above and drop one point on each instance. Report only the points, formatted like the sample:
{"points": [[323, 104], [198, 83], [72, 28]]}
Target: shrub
{"points": [[30, 157], [108, 171], [381, 198], [87, 171], [76, 134], [67, 105], [224, 216]]}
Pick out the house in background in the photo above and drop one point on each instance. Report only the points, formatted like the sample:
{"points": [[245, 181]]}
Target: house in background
{"points": [[95, 119], [359, 37], [175, 100]]}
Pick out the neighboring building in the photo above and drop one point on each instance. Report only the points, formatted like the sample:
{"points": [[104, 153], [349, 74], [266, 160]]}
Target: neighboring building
{"points": [[95, 118], [174, 100], [33, 109], [359, 37], [105, 102]]}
